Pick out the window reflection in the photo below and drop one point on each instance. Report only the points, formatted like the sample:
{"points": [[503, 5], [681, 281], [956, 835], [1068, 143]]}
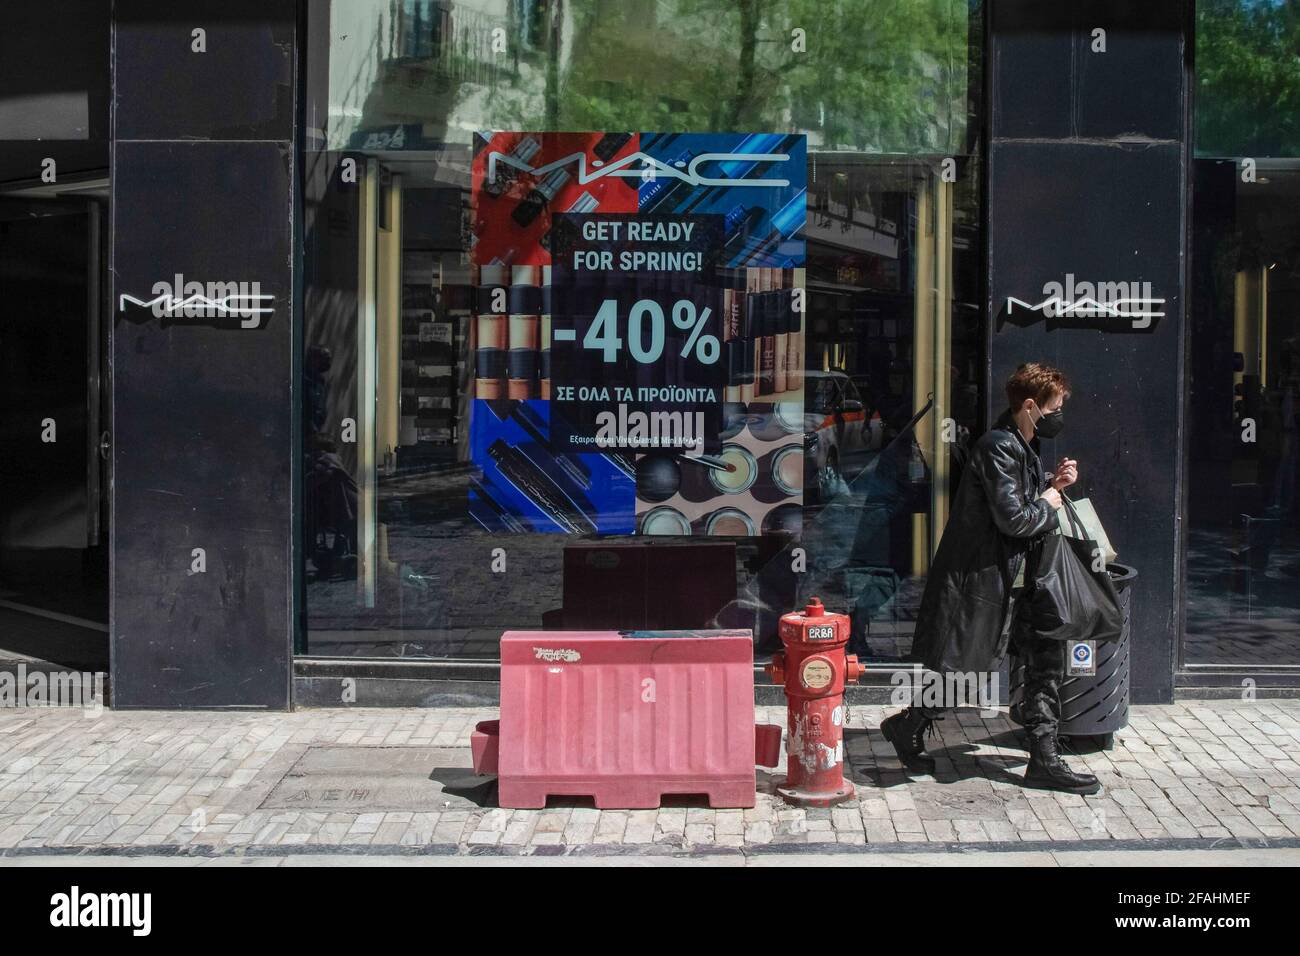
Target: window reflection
{"points": [[446, 497], [1243, 564]]}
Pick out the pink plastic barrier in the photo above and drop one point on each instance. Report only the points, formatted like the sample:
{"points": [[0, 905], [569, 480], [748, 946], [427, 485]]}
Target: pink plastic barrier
{"points": [[625, 718]]}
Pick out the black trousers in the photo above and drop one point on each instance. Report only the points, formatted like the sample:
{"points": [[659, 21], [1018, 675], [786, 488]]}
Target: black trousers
{"points": [[1044, 663], [1040, 703]]}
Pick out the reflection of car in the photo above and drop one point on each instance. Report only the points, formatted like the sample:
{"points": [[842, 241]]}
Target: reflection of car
{"points": [[837, 431]]}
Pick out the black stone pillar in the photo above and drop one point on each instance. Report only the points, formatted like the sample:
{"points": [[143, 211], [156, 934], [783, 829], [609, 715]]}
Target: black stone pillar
{"points": [[1087, 171], [202, 181]]}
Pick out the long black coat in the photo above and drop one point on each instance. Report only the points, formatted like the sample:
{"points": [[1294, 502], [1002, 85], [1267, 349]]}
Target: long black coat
{"points": [[995, 517]]}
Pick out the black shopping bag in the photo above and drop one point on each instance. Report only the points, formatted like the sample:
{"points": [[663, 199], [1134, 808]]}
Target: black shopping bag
{"points": [[1068, 600]]}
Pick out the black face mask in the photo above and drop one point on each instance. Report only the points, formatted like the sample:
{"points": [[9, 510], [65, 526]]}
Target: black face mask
{"points": [[1050, 425]]}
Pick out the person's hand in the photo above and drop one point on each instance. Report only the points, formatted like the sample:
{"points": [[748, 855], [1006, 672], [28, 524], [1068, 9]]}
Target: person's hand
{"points": [[1066, 474], [1052, 497]]}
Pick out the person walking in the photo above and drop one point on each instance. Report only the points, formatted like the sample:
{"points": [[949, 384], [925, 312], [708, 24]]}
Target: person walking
{"points": [[1004, 505]]}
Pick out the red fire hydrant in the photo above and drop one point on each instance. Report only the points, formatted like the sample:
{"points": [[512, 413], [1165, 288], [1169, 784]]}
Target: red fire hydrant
{"points": [[814, 669]]}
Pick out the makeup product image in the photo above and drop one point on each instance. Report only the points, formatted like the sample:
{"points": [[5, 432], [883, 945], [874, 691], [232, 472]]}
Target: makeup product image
{"points": [[537, 430], [778, 324], [535, 485], [492, 297], [504, 519], [734, 420], [787, 469], [697, 471], [787, 221], [731, 354], [522, 364], [524, 296], [539, 197], [790, 417], [780, 474], [490, 356], [752, 328], [765, 315], [505, 174], [711, 462], [741, 477], [544, 336], [657, 140], [729, 523], [738, 350], [524, 333], [583, 204], [784, 520], [607, 146], [794, 330], [492, 332], [664, 193], [739, 168], [741, 226], [623, 463], [664, 520], [544, 358], [658, 477], [763, 423]]}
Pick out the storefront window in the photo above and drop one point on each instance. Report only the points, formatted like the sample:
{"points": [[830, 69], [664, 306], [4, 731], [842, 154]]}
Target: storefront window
{"points": [[627, 315], [1243, 554]]}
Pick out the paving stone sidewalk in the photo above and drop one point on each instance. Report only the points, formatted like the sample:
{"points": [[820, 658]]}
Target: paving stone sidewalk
{"points": [[371, 780]]}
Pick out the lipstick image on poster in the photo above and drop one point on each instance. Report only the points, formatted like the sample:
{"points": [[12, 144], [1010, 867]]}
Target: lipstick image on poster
{"points": [[491, 334], [525, 322]]}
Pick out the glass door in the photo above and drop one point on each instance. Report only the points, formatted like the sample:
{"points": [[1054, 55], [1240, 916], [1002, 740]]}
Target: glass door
{"points": [[53, 515]]}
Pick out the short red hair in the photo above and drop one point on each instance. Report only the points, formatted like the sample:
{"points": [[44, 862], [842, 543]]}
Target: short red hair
{"points": [[1037, 381]]}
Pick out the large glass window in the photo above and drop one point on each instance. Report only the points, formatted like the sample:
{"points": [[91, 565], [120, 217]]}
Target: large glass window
{"points": [[1243, 555], [633, 315]]}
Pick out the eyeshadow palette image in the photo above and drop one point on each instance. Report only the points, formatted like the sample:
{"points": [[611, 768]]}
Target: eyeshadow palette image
{"points": [[752, 485]]}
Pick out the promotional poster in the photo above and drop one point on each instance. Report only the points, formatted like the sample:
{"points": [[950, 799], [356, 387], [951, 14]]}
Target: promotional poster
{"points": [[638, 333]]}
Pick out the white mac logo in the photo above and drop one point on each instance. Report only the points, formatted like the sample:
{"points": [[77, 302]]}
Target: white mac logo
{"points": [[199, 300], [650, 168], [1123, 300]]}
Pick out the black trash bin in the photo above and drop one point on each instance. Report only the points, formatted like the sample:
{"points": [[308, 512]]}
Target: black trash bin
{"points": [[1096, 706]]}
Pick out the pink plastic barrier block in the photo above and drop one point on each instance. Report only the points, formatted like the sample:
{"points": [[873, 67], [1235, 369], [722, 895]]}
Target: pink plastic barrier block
{"points": [[625, 718]]}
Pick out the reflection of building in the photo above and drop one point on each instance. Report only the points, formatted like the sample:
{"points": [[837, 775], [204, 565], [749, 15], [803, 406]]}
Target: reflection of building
{"points": [[323, 463]]}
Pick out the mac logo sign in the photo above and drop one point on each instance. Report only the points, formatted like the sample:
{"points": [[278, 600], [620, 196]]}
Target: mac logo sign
{"points": [[640, 166], [204, 300], [1131, 300]]}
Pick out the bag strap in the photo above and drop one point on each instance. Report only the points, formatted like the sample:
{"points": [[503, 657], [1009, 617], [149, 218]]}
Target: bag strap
{"points": [[1076, 525]]}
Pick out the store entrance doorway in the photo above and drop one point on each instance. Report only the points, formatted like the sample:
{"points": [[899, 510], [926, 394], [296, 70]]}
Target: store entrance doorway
{"points": [[54, 429]]}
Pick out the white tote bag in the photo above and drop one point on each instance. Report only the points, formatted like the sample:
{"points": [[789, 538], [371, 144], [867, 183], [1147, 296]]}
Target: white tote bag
{"points": [[1087, 516]]}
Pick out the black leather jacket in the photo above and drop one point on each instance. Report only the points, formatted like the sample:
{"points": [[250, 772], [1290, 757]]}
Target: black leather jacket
{"points": [[995, 518]]}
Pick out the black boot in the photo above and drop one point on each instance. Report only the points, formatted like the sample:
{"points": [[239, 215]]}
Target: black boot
{"points": [[1047, 771], [906, 731]]}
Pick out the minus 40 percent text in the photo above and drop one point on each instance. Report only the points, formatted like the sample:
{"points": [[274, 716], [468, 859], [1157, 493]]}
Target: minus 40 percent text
{"points": [[646, 331]]}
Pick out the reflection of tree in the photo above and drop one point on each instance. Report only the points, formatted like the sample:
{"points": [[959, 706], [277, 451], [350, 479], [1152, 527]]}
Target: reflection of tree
{"points": [[553, 67], [889, 76], [1248, 78], [745, 71]]}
